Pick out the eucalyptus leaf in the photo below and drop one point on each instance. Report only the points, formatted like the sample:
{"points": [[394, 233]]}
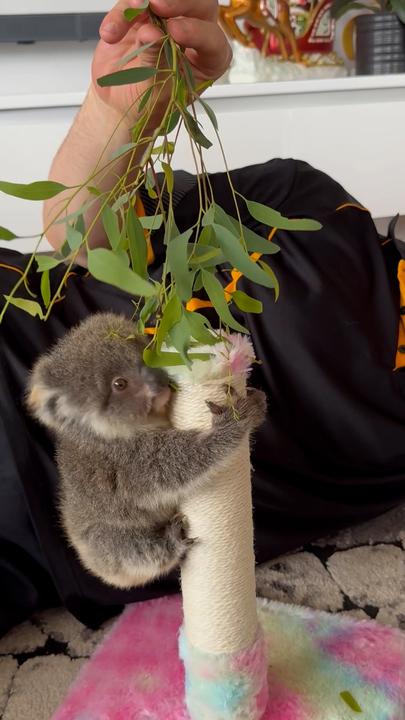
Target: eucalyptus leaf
{"points": [[171, 315], [169, 176], [29, 306], [46, 262], [204, 255], [209, 216], [74, 237], [239, 258], [198, 283], [74, 215], [188, 73], [350, 701], [42, 190], [6, 234], [253, 241], [168, 53], [181, 94], [273, 218], [145, 97], [135, 53], [267, 269], [398, 7], [199, 328], [168, 359], [46, 288], [129, 76], [94, 190], [111, 226], [227, 221], [207, 236], [179, 338], [132, 13], [215, 293], [151, 222], [171, 123], [246, 303], [137, 244], [123, 150], [195, 131], [177, 260], [208, 109], [122, 200], [105, 266]]}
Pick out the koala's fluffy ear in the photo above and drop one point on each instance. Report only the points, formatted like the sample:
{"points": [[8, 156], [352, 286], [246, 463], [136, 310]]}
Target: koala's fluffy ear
{"points": [[42, 398]]}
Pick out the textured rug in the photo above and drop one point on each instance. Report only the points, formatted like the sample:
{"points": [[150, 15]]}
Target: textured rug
{"points": [[320, 667], [360, 574]]}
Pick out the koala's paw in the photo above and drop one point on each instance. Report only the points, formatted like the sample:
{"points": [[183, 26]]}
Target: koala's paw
{"points": [[250, 411], [179, 542]]}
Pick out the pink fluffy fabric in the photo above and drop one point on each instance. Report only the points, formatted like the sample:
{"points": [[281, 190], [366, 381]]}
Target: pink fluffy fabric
{"points": [[318, 666]]}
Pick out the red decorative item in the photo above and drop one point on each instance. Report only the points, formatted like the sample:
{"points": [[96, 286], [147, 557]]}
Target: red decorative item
{"points": [[311, 22]]}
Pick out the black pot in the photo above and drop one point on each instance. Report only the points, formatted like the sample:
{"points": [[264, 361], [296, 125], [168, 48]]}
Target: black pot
{"points": [[380, 44]]}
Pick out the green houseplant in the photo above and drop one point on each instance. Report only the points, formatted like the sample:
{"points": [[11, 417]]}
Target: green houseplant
{"points": [[380, 35]]}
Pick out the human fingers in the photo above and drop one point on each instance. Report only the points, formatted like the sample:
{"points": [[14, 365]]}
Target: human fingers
{"points": [[115, 26], [202, 9], [206, 45]]}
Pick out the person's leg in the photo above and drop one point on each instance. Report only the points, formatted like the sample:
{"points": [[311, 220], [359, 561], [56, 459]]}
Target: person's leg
{"points": [[332, 450]]}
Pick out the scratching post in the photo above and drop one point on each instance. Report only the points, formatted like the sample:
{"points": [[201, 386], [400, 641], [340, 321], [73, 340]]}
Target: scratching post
{"points": [[221, 644]]}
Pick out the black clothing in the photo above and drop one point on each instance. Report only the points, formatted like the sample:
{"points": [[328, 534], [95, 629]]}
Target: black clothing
{"points": [[332, 452]]}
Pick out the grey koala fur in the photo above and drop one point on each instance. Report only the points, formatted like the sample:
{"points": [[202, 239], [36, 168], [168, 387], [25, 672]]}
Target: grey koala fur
{"points": [[123, 469]]}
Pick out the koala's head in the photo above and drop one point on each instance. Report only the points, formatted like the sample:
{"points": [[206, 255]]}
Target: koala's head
{"points": [[95, 378]]}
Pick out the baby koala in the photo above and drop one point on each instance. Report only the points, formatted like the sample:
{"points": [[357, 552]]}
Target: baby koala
{"points": [[123, 469]]}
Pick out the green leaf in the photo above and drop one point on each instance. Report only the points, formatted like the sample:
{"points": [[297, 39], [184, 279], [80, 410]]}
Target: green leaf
{"points": [[46, 262], [132, 55], [198, 283], [188, 73], [42, 190], [145, 97], [120, 202], [74, 237], [348, 698], [171, 315], [151, 222], [111, 227], [149, 309], [215, 293], [238, 257], [199, 328], [207, 236], [253, 241], [94, 191], [168, 53], [246, 303], [105, 266], [123, 150], [138, 249], [228, 222], [169, 175], [74, 215], [179, 337], [209, 216], [171, 123], [398, 7], [202, 255], [181, 94], [195, 131], [273, 218], [209, 112], [168, 359], [127, 77], [29, 306], [6, 234], [132, 13], [46, 288], [178, 264], [267, 269]]}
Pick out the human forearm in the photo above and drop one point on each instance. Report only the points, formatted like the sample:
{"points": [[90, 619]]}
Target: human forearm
{"points": [[96, 133]]}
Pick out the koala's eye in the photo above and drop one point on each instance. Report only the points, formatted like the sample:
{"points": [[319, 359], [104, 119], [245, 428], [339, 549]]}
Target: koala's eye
{"points": [[119, 384]]}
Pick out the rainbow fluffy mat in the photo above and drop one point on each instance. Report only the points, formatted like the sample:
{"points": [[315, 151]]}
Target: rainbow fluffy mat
{"points": [[321, 667]]}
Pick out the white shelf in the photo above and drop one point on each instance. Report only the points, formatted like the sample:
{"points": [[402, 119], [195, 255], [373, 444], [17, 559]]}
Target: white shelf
{"points": [[46, 75]]}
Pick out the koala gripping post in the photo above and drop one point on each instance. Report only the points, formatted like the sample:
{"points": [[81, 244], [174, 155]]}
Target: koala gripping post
{"points": [[221, 643]]}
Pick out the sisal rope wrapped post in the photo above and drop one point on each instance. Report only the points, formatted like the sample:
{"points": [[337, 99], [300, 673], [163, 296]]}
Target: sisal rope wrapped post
{"points": [[221, 643]]}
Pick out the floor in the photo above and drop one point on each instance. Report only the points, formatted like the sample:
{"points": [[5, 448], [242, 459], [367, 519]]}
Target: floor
{"points": [[360, 572]]}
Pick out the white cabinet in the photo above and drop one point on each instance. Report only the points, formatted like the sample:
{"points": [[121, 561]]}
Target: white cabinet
{"points": [[352, 128]]}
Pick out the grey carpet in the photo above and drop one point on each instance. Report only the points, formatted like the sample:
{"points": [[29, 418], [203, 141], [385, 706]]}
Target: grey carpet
{"points": [[360, 572]]}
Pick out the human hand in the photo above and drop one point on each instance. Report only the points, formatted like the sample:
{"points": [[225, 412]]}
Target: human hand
{"points": [[193, 25]]}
